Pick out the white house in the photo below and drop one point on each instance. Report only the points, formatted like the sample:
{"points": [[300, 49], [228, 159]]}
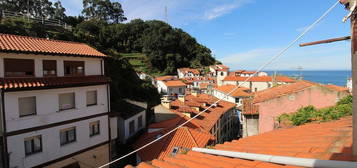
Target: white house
{"points": [[215, 69], [187, 72], [349, 84], [170, 85], [244, 73], [256, 83], [132, 119], [55, 103], [226, 93]]}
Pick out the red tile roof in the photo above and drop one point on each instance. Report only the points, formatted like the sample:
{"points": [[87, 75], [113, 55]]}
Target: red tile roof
{"points": [[162, 78], [208, 119], [28, 82], [174, 83], [183, 138], [336, 88], [281, 90], [326, 141], [259, 79], [15, 43], [240, 92], [187, 70]]}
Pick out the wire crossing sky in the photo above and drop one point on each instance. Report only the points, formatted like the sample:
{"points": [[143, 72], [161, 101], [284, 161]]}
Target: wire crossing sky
{"points": [[271, 60]]}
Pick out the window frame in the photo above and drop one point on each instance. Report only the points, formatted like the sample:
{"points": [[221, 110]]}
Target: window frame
{"points": [[73, 64], [96, 98], [74, 101], [66, 131], [92, 131], [18, 101], [140, 121], [6, 66], [43, 68], [32, 141]]}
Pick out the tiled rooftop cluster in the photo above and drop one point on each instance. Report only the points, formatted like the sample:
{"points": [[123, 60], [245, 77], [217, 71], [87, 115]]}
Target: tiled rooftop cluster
{"points": [[195, 133], [187, 70], [259, 79], [241, 91], [327, 141], [24, 44]]}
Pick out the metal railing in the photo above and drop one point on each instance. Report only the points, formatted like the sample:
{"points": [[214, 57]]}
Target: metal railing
{"points": [[43, 20]]}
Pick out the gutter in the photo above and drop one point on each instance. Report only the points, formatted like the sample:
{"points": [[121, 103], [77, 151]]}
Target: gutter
{"points": [[294, 161]]}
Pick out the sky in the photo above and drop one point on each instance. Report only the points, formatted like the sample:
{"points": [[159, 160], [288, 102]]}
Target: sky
{"points": [[244, 34]]}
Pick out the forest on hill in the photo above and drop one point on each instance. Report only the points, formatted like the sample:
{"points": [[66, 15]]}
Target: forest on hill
{"points": [[101, 26]]}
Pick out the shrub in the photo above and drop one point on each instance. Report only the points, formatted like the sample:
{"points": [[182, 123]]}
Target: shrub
{"points": [[303, 115], [345, 100]]}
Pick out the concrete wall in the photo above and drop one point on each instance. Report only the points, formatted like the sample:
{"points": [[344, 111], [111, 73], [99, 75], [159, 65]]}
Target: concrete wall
{"points": [[124, 133], [250, 125], [317, 96], [47, 106], [51, 148], [92, 66]]}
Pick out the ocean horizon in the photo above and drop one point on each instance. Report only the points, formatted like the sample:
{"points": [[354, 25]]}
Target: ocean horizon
{"points": [[336, 77]]}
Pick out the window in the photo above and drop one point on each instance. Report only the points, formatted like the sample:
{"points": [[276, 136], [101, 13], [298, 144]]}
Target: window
{"points": [[255, 89], [140, 121], [66, 101], [131, 127], [73, 68], [49, 67], [94, 128], [19, 67], [237, 100], [27, 106], [33, 145], [68, 135], [91, 98]]}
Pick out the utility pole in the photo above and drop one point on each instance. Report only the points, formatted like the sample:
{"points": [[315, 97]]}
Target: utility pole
{"points": [[354, 79]]}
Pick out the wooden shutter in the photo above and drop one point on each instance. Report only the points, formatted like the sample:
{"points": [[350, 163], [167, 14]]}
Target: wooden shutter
{"points": [[66, 101], [27, 106], [91, 98]]}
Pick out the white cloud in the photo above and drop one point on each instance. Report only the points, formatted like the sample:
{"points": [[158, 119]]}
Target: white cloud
{"points": [[221, 10]]}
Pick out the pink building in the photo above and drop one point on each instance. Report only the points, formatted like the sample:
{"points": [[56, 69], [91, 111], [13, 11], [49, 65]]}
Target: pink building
{"points": [[261, 111]]}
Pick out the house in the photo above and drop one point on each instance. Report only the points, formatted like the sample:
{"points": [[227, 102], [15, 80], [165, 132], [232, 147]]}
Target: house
{"points": [[194, 83], [349, 84], [226, 93], [220, 120], [178, 141], [256, 83], [131, 117], [261, 111], [244, 73], [323, 143], [55, 103], [215, 69], [170, 85], [188, 73]]}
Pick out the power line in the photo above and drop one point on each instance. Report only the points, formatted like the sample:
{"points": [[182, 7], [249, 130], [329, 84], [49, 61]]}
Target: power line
{"points": [[234, 89]]}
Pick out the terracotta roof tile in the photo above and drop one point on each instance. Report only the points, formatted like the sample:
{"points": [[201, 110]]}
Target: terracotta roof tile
{"points": [[259, 79], [15, 43], [29, 82], [337, 88], [329, 141], [240, 92], [174, 83], [187, 70], [163, 78]]}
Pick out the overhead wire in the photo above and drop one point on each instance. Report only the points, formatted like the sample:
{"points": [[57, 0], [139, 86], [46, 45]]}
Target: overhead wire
{"points": [[271, 60]]}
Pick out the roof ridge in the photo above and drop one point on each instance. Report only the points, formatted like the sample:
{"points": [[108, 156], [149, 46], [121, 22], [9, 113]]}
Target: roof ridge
{"points": [[41, 38], [191, 136]]}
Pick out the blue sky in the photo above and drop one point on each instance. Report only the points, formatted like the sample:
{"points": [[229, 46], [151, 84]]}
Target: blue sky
{"points": [[245, 33]]}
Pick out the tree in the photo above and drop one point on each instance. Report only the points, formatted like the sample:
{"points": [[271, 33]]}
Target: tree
{"points": [[103, 10], [116, 13], [59, 11]]}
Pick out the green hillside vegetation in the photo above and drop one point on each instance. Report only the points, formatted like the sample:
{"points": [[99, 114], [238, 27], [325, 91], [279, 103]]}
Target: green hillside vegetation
{"points": [[310, 113]]}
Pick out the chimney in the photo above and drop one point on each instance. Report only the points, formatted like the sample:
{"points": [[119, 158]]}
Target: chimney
{"points": [[194, 93], [166, 103], [181, 98]]}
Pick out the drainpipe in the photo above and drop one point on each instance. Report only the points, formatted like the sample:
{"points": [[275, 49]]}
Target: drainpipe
{"points": [[293, 161]]}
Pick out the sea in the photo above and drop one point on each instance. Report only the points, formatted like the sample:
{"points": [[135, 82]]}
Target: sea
{"points": [[336, 77]]}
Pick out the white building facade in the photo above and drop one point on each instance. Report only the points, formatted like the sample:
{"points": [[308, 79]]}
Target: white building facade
{"points": [[54, 106]]}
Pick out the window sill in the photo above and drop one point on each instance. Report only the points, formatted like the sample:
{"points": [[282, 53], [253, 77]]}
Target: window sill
{"points": [[31, 154], [94, 135], [64, 110], [28, 115], [67, 143], [89, 105]]}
